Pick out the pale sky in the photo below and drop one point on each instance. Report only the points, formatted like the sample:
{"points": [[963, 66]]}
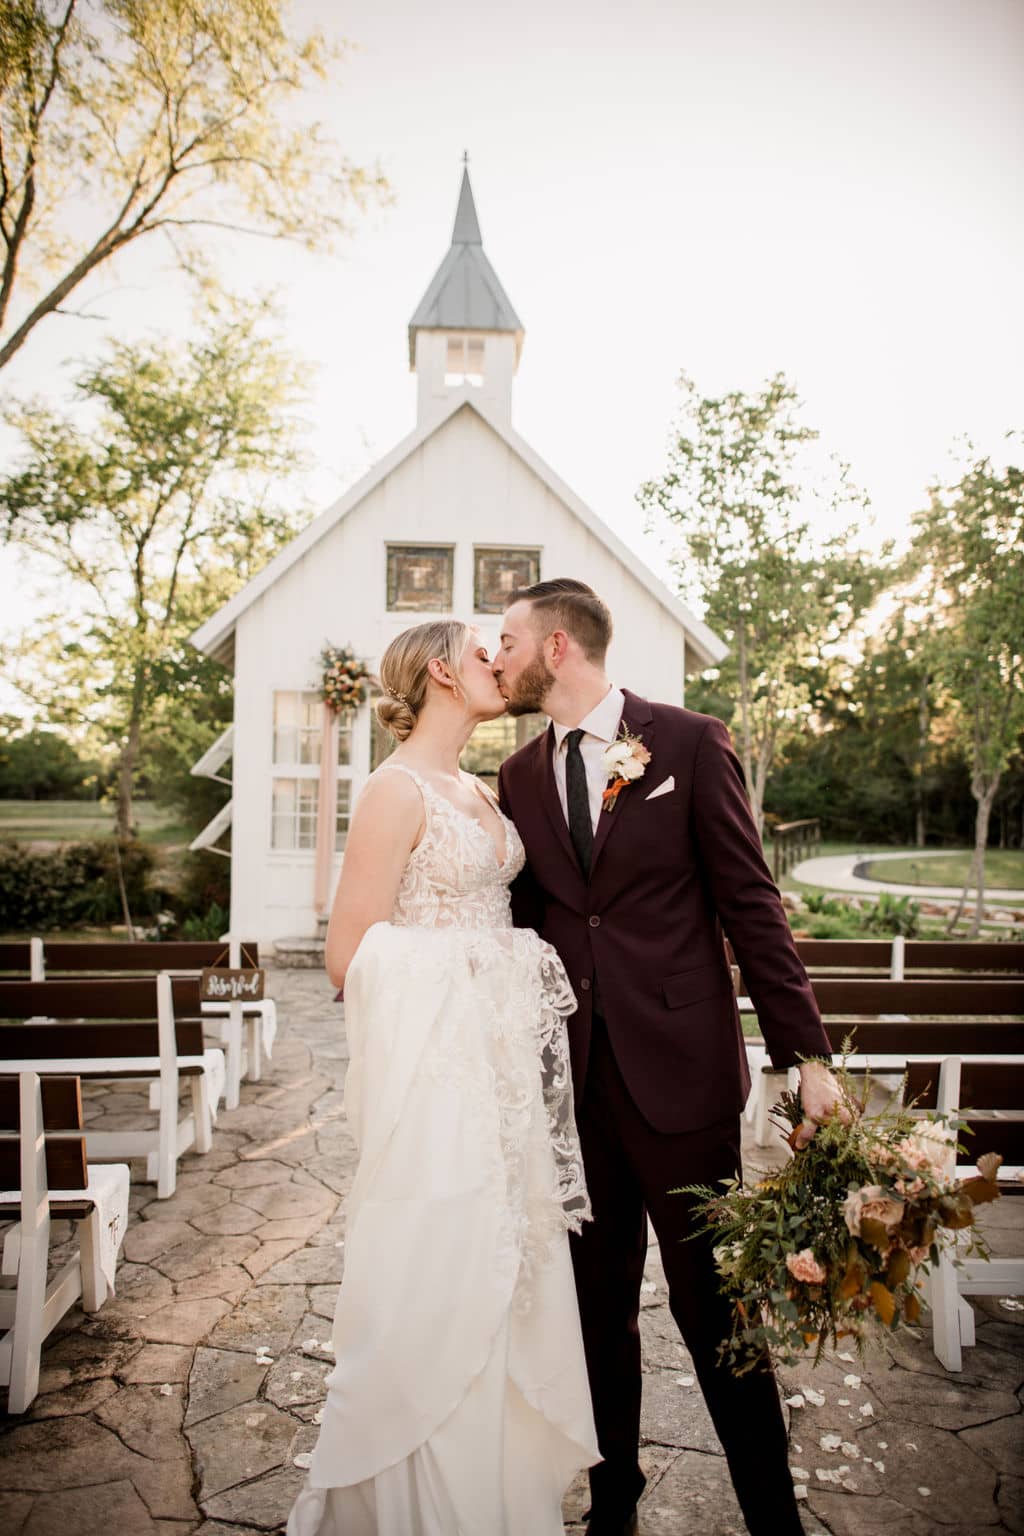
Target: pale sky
{"points": [[730, 187]]}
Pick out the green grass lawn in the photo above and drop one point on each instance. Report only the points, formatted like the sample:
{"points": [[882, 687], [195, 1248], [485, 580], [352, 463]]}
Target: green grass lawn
{"points": [[1004, 869], [77, 821]]}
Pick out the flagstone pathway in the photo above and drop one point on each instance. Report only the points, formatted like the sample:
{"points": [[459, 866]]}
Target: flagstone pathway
{"points": [[184, 1404]]}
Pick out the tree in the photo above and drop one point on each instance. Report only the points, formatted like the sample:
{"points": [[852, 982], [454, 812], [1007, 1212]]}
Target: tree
{"points": [[969, 542], [740, 486], [40, 765], [148, 115], [153, 516]]}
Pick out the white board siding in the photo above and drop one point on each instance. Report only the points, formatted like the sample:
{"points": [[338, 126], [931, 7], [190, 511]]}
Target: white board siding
{"points": [[463, 486]]}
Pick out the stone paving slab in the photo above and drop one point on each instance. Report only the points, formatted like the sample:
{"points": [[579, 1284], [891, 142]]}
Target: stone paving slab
{"points": [[182, 1405]]}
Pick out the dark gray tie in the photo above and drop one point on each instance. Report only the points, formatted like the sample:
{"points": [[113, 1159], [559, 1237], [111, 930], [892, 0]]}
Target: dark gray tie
{"points": [[577, 795]]}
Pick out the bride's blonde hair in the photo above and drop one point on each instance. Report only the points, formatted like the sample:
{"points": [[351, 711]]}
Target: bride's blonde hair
{"points": [[403, 670]]}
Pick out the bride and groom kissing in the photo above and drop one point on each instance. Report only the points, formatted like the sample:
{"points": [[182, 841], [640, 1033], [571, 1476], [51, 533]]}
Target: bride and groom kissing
{"points": [[543, 1043]]}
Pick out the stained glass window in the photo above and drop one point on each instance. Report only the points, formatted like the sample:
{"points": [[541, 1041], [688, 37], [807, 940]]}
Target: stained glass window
{"points": [[420, 578], [498, 572]]}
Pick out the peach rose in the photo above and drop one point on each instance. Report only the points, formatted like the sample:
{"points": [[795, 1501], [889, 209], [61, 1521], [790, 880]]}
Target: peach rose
{"points": [[804, 1266], [872, 1203]]}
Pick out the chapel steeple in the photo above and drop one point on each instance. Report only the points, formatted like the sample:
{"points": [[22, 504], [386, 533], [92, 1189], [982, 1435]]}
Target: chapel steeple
{"points": [[465, 332]]}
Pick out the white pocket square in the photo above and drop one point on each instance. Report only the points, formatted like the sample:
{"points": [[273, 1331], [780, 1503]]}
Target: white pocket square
{"points": [[662, 789]]}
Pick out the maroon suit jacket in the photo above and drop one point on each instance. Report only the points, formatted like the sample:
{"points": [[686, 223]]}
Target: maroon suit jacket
{"points": [[668, 876]]}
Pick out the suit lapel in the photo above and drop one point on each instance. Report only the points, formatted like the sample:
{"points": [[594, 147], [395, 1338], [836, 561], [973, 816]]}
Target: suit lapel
{"points": [[638, 721]]}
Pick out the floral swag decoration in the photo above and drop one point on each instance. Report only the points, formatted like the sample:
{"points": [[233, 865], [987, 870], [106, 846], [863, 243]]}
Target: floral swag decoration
{"points": [[344, 682]]}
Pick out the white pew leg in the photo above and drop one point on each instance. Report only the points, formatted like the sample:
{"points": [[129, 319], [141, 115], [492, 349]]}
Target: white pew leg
{"points": [[167, 1146], [201, 1113], [94, 1284], [943, 1299], [28, 1318], [231, 1035], [254, 1026], [965, 1319]]}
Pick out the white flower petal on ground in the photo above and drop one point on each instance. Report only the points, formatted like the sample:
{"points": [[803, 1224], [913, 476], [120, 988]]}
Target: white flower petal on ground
{"points": [[166, 1390], [817, 1398], [844, 1402], [796, 1401], [867, 1411], [318, 1417], [851, 1381], [310, 1345], [849, 1449], [883, 1445], [910, 1446], [827, 1475], [879, 1466], [925, 1493], [830, 1442], [649, 1286], [845, 1355], [684, 1381], [296, 1376], [304, 1459], [798, 1450], [1011, 1304], [799, 1490], [798, 1474]]}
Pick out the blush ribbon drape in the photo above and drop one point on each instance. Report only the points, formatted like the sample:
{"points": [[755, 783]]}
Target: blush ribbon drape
{"points": [[326, 810]]}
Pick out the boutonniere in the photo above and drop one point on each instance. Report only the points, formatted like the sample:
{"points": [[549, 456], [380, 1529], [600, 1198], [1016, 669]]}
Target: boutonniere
{"points": [[625, 760]]}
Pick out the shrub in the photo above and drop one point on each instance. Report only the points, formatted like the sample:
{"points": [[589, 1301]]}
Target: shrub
{"points": [[73, 884], [211, 926], [827, 906], [892, 915]]}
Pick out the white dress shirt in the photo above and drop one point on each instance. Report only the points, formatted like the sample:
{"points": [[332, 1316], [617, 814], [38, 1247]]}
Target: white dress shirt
{"points": [[601, 727]]}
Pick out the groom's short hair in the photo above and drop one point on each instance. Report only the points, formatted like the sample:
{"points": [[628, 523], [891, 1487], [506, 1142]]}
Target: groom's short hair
{"points": [[573, 606]]}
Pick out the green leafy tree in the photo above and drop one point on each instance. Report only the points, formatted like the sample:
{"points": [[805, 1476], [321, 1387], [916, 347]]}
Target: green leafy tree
{"points": [[40, 765], [744, 499], [969, 543], [151, 516], [146, 115]]}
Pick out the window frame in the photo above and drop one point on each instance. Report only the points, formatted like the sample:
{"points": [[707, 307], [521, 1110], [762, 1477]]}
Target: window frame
{"points": [[479, 550], [391, 585]]}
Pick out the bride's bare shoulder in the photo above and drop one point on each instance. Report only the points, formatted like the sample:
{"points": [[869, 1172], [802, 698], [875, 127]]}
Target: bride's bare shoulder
{"points": [[391, 788]]}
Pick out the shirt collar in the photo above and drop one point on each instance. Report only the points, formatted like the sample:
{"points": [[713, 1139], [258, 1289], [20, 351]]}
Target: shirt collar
{"points": [[602, 722]]}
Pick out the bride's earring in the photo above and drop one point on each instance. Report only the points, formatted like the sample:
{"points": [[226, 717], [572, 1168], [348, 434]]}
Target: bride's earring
{"points": [[455, 691]]}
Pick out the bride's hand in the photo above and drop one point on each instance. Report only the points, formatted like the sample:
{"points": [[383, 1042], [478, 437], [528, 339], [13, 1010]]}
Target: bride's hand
{"points": [[821, 1097]]}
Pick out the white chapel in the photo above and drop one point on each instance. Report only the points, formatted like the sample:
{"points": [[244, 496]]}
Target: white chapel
{"points": [[458, 514]]}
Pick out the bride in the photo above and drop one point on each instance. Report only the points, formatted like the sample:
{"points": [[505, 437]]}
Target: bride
{"points": [[458, 1405]]}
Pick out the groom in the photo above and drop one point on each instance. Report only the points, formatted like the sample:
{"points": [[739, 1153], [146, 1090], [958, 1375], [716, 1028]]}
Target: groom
{"points": [[637, 900]]}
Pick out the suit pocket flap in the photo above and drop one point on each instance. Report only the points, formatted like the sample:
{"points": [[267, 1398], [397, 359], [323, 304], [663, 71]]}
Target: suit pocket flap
{"points": [[693, 986]]}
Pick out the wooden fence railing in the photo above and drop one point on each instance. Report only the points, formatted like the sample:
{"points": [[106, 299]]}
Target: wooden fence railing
{"points": [[791, 842]]}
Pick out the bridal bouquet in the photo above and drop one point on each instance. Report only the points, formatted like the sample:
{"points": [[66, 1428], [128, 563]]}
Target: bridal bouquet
{"points": [[836, 1243]]}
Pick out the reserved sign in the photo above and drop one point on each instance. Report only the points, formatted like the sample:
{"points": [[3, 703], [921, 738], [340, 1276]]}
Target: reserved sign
{"points": [[219, 984]]}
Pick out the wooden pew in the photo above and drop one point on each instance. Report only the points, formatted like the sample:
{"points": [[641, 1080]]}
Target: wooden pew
{"points": [[893, 1021], [900, 959], [122, 957], [966, 1090], [42, 1148], [140, 1027]]}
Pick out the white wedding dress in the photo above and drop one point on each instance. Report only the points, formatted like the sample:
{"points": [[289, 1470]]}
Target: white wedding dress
{"points": [[458, 1404]]}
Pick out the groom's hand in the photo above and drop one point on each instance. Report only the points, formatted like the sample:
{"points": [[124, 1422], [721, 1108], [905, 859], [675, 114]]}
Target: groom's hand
{"points": [[821, 1097]]}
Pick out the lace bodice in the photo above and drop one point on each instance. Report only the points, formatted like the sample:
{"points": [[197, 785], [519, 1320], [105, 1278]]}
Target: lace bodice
{"points": [[453, 878]]}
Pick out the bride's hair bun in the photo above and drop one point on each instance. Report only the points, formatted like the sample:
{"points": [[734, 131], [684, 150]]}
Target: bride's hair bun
{"points": [[403, 671], [395, 716]]}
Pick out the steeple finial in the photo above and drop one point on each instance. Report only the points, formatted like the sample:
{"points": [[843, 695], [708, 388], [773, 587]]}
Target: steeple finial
{"points": [[467, 226]]}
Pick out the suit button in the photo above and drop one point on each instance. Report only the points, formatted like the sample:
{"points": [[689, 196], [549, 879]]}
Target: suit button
{"points": [[595, 922], [585, 984]]}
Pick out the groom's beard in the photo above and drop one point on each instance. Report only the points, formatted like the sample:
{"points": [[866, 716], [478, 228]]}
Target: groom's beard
{"points": [[531, 688]]}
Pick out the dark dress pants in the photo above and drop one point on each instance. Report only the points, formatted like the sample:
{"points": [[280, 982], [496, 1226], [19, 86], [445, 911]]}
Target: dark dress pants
{"points": [[630, 1168]]}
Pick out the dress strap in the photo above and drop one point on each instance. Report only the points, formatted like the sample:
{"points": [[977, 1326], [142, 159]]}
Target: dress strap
{"points": [[417, 778]]}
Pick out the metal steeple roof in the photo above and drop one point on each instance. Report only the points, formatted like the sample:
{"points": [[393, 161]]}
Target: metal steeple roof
{"points": [[465, 294]]}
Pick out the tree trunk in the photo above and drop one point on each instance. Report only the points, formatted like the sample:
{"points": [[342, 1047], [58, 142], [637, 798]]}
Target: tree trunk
{"points": [[980, 843], [130, 755], [923, 716], [746, 745]]}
